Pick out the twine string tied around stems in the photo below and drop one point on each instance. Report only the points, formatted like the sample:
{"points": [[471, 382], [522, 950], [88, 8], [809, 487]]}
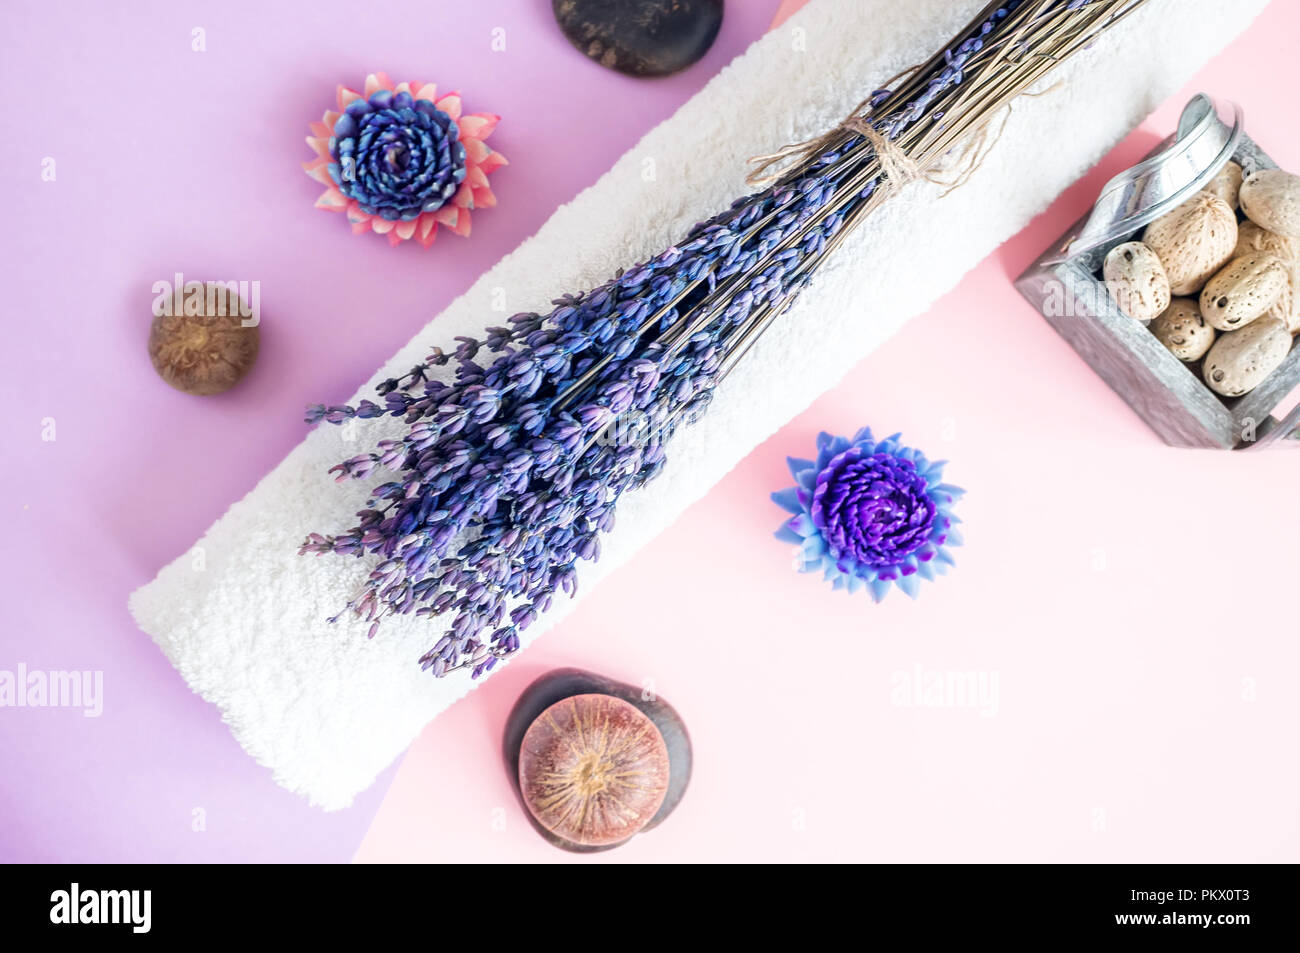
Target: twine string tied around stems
{"points": [[896, 165]]}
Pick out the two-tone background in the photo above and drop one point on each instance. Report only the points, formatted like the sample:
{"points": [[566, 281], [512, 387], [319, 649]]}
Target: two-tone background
{"points": [[1125, 610]]}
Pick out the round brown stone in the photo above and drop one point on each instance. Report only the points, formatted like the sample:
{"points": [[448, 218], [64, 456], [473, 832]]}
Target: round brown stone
{"points": [[204, 353]]}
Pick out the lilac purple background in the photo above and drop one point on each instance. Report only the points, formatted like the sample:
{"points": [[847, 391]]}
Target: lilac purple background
{"points": [[173, 160], [1144, 656]]}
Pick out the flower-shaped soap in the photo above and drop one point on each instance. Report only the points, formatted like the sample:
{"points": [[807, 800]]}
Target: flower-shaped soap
{"points": [[870, 513], [401, 160]]}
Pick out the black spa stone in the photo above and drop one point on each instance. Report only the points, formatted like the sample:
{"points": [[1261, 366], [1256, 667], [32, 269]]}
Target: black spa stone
{"points": [[641, 37]]}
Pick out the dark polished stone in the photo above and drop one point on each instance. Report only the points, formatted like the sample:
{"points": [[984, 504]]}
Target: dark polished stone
{"points": [[564, 683], [641, 37]]}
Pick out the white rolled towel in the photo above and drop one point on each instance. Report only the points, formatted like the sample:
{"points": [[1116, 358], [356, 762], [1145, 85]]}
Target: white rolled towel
{"points": [[325, 709]]}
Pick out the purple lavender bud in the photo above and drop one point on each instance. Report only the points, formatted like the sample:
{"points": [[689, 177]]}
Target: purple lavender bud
{"points": [[594, 417]]}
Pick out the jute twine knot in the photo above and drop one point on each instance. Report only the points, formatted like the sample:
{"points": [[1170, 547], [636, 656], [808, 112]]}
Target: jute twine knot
{"points": [[897, 167]]}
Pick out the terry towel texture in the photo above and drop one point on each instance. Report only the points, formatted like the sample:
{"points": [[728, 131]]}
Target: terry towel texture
{"points": [[325, 709]]}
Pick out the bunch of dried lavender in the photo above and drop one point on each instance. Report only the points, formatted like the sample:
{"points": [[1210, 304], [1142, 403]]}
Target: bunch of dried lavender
{"points": [[505, 478]]}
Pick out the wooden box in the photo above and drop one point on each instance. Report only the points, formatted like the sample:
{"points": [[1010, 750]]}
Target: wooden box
{"points": [[1165, 392]]}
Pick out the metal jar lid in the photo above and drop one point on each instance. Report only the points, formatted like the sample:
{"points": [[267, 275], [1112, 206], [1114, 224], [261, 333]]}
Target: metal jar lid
{"points": [[1208, 134]]}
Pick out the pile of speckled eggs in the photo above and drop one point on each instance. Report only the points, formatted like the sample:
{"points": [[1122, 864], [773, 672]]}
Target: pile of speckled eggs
{"points": [[1217, 280]]}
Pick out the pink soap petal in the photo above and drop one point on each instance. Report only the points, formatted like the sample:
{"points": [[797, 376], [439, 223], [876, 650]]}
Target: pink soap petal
{"points": [[428, 229], [461, 227], [320, 130], [375, 82], [355, 214], [394, 238], [382, 225], [405, 230], [318, 169], [332, 199], [475, 177], [319, 146], [447, 215], [402, 88], [492, 162], [483, 198], [464, 197], [347, 96], [476, 151], [427, 91], [450, 104], [331, 117], [360, 228], [477, 125]]}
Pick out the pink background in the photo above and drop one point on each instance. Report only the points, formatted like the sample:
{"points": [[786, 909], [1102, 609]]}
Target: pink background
{"points": [[1131, 600]]}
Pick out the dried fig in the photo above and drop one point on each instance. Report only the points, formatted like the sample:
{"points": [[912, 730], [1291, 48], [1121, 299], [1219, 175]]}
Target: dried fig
{"points": [[593, 761]]}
